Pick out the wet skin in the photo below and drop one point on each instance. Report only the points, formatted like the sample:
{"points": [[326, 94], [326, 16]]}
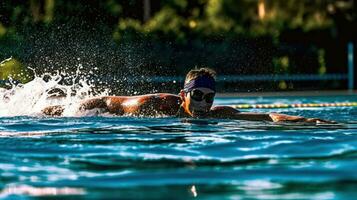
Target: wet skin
{"points": [[143, 105], [182, 105]]}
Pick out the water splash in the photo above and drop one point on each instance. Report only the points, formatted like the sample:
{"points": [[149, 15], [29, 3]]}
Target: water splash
{"points": [[47, 90]]}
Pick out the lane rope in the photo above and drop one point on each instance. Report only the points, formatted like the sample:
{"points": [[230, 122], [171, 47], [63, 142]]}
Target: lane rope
{"points": [[296, 105]]}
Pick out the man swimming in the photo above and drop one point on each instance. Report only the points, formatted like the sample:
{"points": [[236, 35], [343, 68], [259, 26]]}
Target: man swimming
{"points": [[194, 100]]}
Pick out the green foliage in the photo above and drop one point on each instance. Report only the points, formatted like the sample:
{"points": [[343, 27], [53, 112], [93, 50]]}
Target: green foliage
{"points": [[12, 68], [215, 21], [2, 30], [281, 64], [127, 30], [49, 10], [231, 18], [177, 4], [322, 62], [166, 23], [114, 8], [302, 14], [179, 18], [274, 36]]}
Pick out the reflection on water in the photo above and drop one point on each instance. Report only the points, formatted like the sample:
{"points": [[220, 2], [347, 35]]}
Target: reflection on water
{"points": [[170, 158], [33, 191]]}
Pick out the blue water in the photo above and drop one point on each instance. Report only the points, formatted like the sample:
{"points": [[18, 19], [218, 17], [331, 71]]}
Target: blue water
{"points": [[171, 158]]}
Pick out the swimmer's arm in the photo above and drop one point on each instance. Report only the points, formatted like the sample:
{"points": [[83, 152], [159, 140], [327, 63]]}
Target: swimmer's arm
{"points": [[105, 103], [89, 104], [108, 104], [231, 113], [227, 112], [276, 117], [99, 102], [53, 110], [252, 116]]}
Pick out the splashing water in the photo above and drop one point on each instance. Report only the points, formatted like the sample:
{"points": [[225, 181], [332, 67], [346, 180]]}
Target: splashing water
{"points": [[47, 90]]}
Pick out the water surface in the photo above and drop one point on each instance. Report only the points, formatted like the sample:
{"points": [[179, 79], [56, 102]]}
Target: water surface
{"points": [[170, 158]]}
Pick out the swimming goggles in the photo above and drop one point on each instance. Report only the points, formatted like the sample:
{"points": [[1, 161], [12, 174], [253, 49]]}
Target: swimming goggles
{"points": [[198, 95]]}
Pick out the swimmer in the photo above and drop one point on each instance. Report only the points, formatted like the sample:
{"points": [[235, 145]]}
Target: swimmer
{"points": [[194, 100]]}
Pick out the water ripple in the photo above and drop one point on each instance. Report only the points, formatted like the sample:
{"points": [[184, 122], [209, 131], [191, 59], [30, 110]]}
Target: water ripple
{"points": [[213, 159]]}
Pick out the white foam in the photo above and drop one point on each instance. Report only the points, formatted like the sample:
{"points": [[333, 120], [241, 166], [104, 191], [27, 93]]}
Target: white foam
{"points": [[31, 98]]}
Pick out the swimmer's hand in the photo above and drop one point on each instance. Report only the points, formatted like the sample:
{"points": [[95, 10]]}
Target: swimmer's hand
{"points": [[275, 117], [319, 121]]}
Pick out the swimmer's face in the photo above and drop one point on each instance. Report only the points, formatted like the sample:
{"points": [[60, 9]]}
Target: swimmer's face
{"points": [[198, 102]]}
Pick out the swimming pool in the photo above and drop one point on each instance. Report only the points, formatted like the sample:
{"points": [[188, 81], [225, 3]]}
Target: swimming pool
{"points": [[171, 158]]}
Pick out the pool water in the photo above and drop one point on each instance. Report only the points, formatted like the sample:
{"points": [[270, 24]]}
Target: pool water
{"points": [[170, 158]]}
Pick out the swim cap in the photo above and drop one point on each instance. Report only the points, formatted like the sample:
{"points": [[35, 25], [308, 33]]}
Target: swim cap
{"points": [[201, 81]]}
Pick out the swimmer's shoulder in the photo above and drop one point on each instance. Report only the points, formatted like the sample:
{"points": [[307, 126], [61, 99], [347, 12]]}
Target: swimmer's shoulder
{"points": [[164, 103], [155, 95], [223, 111], [166, 98], [169, 97], [164, 95], [160, 97], [152, 104]]}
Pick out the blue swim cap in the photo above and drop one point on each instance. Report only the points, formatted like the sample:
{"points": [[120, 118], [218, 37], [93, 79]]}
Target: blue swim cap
{"points": [[201, 81]]}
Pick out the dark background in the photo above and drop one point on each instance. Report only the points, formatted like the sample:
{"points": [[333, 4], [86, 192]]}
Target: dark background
{"points": [[124, 42]]}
